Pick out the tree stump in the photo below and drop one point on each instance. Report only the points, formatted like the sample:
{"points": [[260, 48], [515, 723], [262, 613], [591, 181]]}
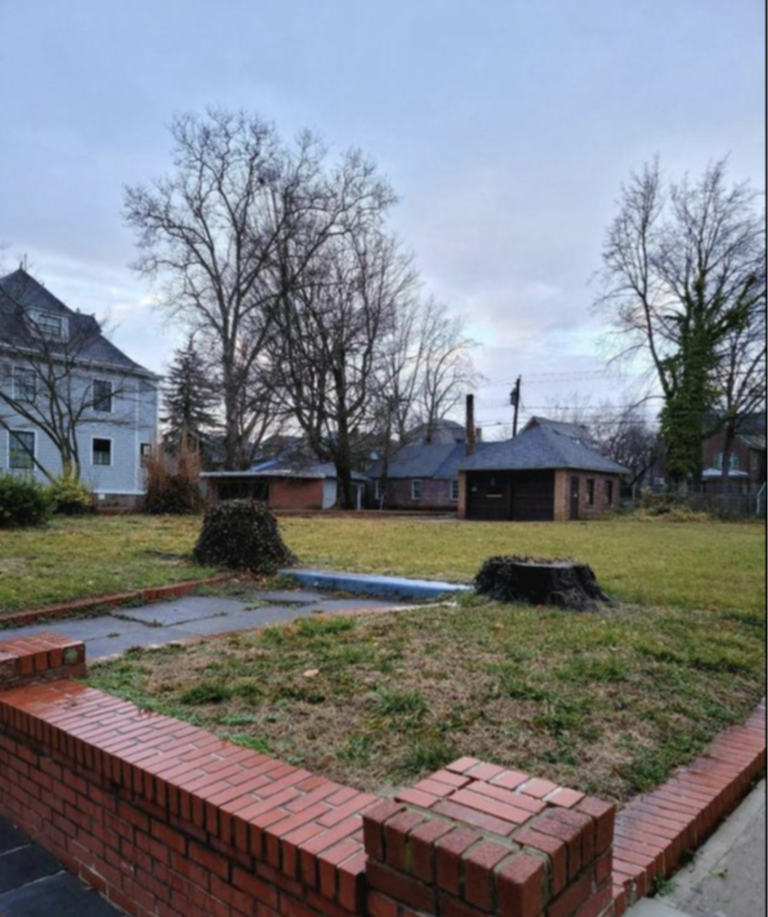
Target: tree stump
{"points": [[538, 581]]}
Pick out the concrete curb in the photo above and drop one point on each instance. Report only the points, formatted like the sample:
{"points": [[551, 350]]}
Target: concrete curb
{"points": [[387, 586], [106, 602]]}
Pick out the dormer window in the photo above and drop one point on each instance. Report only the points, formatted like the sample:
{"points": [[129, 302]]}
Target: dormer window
{"points": [[50, 326]]}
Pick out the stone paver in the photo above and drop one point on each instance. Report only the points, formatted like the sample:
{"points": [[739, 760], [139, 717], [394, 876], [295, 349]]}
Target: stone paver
{"points": [[196, 616], [34, 884]]}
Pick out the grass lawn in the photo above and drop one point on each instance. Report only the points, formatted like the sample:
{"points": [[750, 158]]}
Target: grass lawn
{"points": [[606, 703], [685, 565], [77, 558]]}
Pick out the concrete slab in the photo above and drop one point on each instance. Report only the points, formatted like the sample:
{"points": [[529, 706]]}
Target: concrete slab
{"points": [[25, 865], [10, 837], [655, 907], [243, 620], [728, 876], [168, 614], [58, 896], [292, 596], [393, 586], [332, 605]]}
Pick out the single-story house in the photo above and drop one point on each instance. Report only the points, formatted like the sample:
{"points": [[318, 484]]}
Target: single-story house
{"points": [[283, 484], [550, 472], [420, 476]]}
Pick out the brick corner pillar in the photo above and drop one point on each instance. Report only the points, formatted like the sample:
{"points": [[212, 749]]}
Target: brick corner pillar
{"points": [[475, 840], [24, 660]]}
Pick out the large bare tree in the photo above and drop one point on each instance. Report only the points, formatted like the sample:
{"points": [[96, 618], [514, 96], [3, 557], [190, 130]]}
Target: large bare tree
{"points": [[217, 232], [684, 275], [328, 343]]}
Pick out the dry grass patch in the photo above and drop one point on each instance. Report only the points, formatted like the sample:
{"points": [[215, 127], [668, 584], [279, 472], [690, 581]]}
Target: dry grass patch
{"points": [[607, 703]]}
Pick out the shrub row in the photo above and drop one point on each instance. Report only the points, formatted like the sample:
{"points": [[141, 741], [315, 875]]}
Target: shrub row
{"points": [[26, 502]]}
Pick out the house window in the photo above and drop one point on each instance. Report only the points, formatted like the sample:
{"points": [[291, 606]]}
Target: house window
{"points": [[609, 492], [455, 489], [102, 451], [416, 490], [720, 457], [49, 325], [590, 491], [145, 451], [21, 450], [24, 384], [378, 491], [102, 396]]}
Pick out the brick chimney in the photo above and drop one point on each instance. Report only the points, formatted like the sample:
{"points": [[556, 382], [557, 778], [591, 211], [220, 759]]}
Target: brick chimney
{"points": [[471, 431]]}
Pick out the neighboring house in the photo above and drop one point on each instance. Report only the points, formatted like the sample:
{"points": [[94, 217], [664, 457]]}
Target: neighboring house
{"points": [[420, 476], [549, 472], [284, 483], [443, 432], [748, 459], [118, 426]]}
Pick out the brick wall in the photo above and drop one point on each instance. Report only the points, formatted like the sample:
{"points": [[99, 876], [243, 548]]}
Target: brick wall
{"points": [[165, 819], [435, 494], [295, 493], [586, 510]]}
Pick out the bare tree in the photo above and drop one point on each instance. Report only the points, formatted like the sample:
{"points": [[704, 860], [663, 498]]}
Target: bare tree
{"points": [[683, 271], [448, 371], [217, 233], [47, 379], [328, 343]]}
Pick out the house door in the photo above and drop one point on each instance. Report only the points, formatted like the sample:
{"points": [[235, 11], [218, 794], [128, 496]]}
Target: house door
{"points": [[575, 494]]}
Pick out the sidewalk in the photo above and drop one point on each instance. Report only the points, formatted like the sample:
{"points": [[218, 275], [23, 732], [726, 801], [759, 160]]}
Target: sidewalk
{"points": [[196, 616], [728, 876]]}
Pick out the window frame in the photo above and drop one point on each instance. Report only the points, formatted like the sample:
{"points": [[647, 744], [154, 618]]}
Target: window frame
{"points": [[11, 452], [455, 489], [609, 491], [41, 319], [109, 399], [103, 439], [417, 484], [20, 396], [145, 453], [378, 490], [590, 491]]}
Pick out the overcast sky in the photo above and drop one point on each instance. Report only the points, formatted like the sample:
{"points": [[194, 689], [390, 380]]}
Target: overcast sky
{"points": [[505, 126]]}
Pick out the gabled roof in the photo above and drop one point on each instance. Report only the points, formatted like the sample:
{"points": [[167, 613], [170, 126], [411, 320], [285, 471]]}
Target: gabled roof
{"points": [[544, 445], [281, 468], [20, 290], [439, 461]]}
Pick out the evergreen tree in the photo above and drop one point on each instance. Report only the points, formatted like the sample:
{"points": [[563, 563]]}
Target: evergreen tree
{"points": [[189, 399]]}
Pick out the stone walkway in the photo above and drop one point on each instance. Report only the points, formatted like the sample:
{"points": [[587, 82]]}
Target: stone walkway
{"points": [[727, 877], [34, 884], [196, 616]]}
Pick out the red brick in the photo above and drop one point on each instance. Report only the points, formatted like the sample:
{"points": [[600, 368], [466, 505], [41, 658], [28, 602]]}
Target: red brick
{"points": [[381, 906], [422, 842], [449, 850], [521, 886], [554, 848], [572, 898], [604, 815], [479, 863], [402, 888], [373, 827], [396, 832]]}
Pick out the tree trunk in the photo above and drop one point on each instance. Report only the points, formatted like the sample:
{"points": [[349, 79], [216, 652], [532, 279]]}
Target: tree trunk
{"points": [[540, 582]]}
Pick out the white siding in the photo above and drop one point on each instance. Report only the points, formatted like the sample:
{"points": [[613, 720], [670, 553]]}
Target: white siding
{"points": [[133, 421]]}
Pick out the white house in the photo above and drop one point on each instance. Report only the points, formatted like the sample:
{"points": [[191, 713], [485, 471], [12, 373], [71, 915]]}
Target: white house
{"points": [[115, 399]]}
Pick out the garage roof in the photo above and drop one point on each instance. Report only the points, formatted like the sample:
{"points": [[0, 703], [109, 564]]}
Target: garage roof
{"points": [[543, 445]]}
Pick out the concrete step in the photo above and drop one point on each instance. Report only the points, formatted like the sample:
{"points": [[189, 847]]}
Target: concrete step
{"points": [[390, 586]]}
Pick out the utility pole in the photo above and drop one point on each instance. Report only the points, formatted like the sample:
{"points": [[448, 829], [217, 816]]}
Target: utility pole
{"points": [[514, 400]]}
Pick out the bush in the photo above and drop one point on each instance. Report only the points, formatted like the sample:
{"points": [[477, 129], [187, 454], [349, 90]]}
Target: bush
{"points": [[173, 481], [70, 497], [242, 535], [23, 502], [671, 508]]}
